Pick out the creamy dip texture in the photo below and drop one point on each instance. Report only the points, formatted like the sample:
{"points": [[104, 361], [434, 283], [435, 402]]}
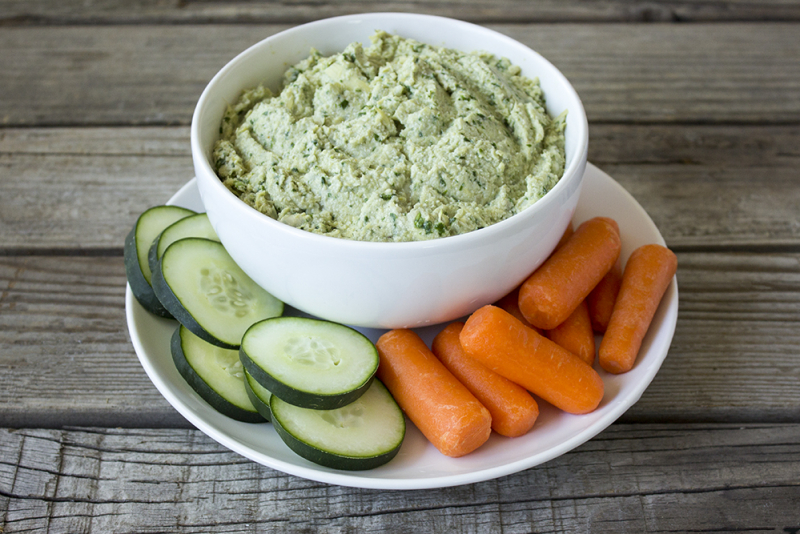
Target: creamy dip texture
{"points": [[399, 141]]}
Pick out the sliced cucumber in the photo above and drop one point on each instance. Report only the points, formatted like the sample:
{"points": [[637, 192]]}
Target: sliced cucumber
{"points": [[362, 435], [259, 395], [309, 362], [193, 226], [137, 245], [203, 288], [216, 374]]}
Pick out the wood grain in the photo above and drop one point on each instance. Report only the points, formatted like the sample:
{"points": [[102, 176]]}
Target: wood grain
{"points": [[630, 478], [81, 189], [63, 338], [144, 74], [205, 11]]}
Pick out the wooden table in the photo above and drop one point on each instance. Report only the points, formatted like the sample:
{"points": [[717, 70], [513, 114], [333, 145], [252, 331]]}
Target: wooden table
{"points": [[694, 107]]}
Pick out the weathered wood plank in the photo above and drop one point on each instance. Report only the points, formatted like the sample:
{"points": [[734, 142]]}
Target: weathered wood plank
{"points": [[80, 189], [143, 142], [726, 206], [64, 340], [291, 11], [90, 184], [128, 75], [630, 478]]}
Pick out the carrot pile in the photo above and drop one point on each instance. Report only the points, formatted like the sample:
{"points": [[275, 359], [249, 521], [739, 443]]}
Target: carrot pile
{"points": [[538, 340]]}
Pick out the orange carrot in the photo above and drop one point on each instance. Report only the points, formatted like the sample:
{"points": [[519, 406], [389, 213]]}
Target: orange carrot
{"points": [[513, 409], [576, 334], [504, 345], [556, 288], [439, 405], [602, 298], [647, 275]]}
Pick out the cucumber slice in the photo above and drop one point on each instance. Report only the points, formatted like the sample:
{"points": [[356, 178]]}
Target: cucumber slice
{"points": [[137, 245], [203, 288], [259, 395], [193, 226], [309, 362], [362, 435], [216, 374]]}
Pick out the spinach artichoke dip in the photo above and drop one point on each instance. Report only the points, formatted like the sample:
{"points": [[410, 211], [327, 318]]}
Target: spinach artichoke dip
{"points": [[398, 141]]}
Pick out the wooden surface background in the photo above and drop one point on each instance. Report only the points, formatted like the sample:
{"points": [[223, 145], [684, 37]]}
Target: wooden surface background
{"points": [[694, 107]]}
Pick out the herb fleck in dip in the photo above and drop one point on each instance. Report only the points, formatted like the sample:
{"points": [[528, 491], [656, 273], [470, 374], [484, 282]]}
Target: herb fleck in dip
{"points": [[400, 141]]}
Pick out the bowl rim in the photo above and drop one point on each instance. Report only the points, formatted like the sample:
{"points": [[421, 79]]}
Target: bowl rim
{"points": [[486, 233]]}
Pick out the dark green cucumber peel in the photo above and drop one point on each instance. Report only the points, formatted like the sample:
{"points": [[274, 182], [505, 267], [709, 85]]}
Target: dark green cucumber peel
{"points": [[262, 405], [333, 460], [297, 397], [203, 389], [152, 255], [139, 287]]}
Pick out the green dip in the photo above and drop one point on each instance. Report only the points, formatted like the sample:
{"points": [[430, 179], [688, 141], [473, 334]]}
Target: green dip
{"points": [[399, 141]]}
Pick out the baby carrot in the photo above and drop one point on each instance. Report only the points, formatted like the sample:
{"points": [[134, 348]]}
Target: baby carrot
{"points": [[575, 334], [601, 299], [556, 288], [504, 345], [647, 275], [439, 405], [513, 409]]}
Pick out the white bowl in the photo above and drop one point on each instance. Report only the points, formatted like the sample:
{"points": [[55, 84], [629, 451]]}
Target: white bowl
{"points": [[385, 285]]}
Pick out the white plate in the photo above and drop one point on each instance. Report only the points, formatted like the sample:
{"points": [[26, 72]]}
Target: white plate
{"points": [[418, 464]]}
